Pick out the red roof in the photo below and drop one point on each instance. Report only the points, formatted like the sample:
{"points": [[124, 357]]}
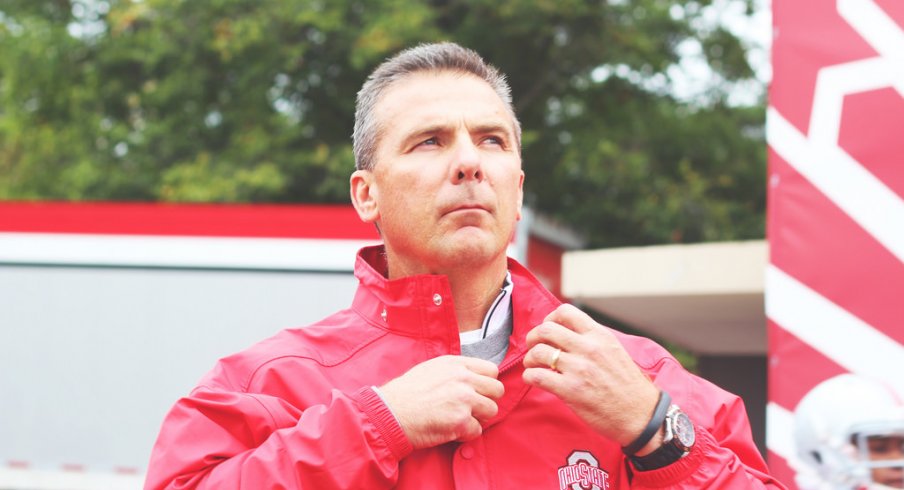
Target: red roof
{"points": [[166, 219]]}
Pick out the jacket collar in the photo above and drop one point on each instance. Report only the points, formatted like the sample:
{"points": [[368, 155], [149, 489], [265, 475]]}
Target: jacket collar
{"points": [[422, 305], [415, 306]]}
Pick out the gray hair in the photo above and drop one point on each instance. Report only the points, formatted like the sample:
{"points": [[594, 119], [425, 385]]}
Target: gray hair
{"points": [[425, 57]]}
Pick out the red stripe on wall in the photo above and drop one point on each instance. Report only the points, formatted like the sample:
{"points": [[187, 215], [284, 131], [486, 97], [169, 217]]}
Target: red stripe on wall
{"points": [[810, 238], [815, 242], [795, 367], [894, 9], [865, 134], [808, 37], [225, 220]]}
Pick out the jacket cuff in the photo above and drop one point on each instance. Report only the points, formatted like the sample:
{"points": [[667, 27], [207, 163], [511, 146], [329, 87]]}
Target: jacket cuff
{"points": [[681, 469], [372, 405]]}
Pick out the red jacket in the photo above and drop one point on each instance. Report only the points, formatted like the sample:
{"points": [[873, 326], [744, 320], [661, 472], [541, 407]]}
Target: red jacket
{"points": [[298, 411]]}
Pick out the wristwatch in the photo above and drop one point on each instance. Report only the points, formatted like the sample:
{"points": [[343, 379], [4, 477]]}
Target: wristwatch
{"points": [[678, 440]]}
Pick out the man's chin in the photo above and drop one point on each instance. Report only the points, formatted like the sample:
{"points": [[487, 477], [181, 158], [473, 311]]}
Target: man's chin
{"points": [[473, 251], [888, 483]]}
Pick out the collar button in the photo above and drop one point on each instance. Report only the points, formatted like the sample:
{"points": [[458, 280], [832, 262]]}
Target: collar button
{"points": [[437, 299]]}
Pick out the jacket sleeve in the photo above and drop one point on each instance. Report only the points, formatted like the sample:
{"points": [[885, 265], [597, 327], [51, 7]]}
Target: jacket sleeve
{"points": [[235, 440], [724, 455]]}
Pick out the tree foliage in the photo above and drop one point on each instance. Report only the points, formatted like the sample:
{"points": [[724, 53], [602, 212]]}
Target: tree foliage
{"points": [[241, 100]]}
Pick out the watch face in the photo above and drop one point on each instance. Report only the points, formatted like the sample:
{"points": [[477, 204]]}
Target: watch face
{"points": [[684, 430]]}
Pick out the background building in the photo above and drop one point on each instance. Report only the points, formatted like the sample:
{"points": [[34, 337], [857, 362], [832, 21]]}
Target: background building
{"points": [[109, 312]]}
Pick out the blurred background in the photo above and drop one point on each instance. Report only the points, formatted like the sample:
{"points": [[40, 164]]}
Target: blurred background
{"points": [[643, 124], [174, 187], [643, 117]]}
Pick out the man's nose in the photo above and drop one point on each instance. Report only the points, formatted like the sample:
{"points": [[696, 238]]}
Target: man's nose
{"points": [[467, 162]]}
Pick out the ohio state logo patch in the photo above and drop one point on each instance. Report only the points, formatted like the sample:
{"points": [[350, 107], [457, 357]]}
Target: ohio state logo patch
{"points": [[583, 472]]}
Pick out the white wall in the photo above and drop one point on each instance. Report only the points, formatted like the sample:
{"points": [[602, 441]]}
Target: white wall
{"points": [[92, 358]]}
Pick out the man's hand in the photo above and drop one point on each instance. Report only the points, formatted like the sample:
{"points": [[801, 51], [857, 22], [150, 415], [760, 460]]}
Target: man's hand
{"points": [[444, 399], [594, 374]]}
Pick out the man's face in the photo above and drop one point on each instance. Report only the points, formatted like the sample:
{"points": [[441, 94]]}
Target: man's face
{"points": [[446, 189], [887, 448]]}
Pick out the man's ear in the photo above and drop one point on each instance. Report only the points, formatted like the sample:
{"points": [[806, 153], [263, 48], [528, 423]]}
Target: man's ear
{"points": [[364, 195], [520, 195]]}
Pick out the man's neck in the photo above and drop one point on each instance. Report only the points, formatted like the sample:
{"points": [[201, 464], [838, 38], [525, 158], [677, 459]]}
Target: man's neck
{"points": [[474, 294]]}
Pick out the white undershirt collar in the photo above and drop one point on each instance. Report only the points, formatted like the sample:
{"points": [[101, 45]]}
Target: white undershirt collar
{"points": [[496, 318]]}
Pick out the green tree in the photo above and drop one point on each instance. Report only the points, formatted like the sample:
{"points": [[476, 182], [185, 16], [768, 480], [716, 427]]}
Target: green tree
{"points": [[241, 100]]}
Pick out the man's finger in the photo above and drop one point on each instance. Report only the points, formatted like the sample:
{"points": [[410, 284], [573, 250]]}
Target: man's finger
{"points": [[554, 334], [484, 409], [480, 366], [471, 431], [572, 318], [543, 355], [545, 379], [489, 387]]}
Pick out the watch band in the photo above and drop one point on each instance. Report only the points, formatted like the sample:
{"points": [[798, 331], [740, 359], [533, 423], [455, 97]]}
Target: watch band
{"points": [[677, 442], [660, 458], [653, 426]]}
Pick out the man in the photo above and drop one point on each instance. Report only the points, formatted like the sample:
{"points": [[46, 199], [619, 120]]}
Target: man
{"points": [[849, 432], [453, 367]]}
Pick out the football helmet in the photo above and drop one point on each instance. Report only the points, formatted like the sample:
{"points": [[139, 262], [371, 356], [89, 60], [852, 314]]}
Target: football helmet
{"points": [[849, 432]]}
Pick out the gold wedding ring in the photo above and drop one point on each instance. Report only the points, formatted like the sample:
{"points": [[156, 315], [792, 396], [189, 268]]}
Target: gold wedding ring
{"points": [[555, 359]]}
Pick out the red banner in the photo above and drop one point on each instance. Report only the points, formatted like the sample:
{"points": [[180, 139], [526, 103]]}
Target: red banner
{"points": [[835, 283]]}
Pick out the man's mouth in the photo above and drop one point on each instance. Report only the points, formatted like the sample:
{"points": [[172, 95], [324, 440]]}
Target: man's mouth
{"points": [[467, 208], [893, 482]]}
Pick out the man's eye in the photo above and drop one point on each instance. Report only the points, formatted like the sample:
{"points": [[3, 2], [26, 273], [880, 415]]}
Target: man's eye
{"points": [[494, 140], [430, 142], [879, 445]]}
